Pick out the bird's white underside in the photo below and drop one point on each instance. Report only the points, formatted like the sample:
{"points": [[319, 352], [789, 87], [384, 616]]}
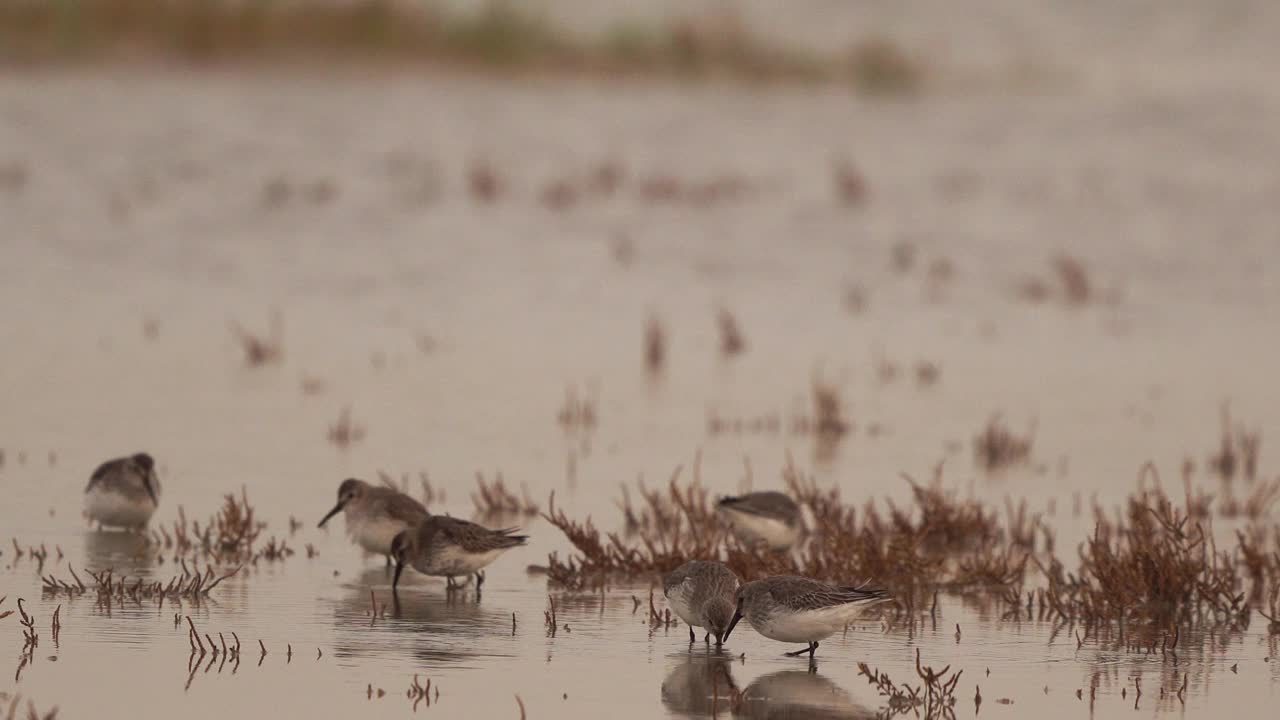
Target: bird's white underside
{"points": [[114, 509], [754, 528]]}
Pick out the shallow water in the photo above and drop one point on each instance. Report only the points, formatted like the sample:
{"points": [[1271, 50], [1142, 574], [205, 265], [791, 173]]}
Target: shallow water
{"points": [[143, 227]]}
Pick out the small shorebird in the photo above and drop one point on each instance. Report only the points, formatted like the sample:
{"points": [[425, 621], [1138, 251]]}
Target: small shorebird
{"points": [[123, 492], [770, 517], [445, 547], [375, 514], [702, 594], [796, 609]]}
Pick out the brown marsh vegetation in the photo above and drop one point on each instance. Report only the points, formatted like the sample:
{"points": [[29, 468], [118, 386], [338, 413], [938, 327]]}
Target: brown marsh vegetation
{"points": [[1154, 561], [496, 500], [11, 703], [997, 446], [259, 349], [497, 35]]}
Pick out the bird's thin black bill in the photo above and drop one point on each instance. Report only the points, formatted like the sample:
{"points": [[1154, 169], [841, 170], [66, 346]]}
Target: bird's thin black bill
{"points": [[732, 624], [336, 509]]}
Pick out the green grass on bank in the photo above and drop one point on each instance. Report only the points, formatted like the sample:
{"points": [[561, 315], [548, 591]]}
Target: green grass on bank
{"points": [[500, 36]]}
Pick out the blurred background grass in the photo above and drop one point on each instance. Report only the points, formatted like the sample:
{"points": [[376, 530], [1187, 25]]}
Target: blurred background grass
{"points": [[494, 35]]}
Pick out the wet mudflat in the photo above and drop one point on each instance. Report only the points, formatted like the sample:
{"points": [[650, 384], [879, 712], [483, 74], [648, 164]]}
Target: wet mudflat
{"points": [[273, 281]]}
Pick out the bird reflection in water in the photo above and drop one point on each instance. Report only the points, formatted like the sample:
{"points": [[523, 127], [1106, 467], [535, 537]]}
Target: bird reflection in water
{"points": [[126, 552], [700, 686], [437, 628], [797, 694]]}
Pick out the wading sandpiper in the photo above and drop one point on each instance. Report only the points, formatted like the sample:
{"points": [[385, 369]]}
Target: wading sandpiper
{"points": [[702, 593], [375, 514], [445, 547], [123, 492], [767, 517], [796, 609]]}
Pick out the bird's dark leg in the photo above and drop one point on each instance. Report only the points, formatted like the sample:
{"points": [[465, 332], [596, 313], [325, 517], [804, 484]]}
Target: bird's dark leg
{"points": [[707, 638], [813, 647], [692, 638], [449, 584], [479, 580]]}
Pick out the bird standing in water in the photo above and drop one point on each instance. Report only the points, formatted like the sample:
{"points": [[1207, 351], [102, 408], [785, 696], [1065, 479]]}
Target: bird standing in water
{"points": [[375, 514], [702, 593], [768, 517], [124, 492], [796, 609], [446, 547]]}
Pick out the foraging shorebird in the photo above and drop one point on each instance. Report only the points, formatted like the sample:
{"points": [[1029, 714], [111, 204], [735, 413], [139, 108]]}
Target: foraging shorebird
{"points": [[445, 547], [702, 594], [768, 517], [796, 609], [375, 514], [123, 492]]}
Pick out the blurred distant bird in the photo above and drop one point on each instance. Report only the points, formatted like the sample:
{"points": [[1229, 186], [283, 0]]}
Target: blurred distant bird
{"points": [[375, 514], [767, 517], [797, 609], [702, 594], [444, 547], [123, 492]]}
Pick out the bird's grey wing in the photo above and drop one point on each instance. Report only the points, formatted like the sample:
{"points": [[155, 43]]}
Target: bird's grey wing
{"points": [[674, 579], [104, 471], [826, 597], [764, 504], [405, 509], [476, 538]]}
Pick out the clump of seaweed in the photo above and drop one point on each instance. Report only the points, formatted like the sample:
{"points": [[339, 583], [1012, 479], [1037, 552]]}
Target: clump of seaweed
{"points": [[418, 692], [262, 350], [934, 699], [1237, 451], [32, 712], [494, 499], [108, 590], [731, 340], [828, 419], [997, 446], [879, 66], [484, 183], [1152, 564], [909, 551], [1272, 614], [228, 536], [1074, 279], [655, 345], [577, 412], [678, 524], [850, 185], [345, 432]]}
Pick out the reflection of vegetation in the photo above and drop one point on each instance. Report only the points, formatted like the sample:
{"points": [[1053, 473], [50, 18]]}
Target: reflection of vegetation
{"points": [[500, 34]]}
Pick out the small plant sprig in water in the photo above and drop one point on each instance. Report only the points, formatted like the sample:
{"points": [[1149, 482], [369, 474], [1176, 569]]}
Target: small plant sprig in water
{"points": [[229, 536], [934, 699], [997, 446]]}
